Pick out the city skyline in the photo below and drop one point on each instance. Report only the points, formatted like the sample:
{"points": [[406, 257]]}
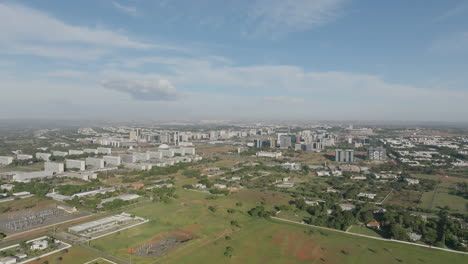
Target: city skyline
{"points": [[310, 60]]}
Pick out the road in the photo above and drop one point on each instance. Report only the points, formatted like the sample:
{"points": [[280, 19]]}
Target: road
{"points": [[371, 237]]}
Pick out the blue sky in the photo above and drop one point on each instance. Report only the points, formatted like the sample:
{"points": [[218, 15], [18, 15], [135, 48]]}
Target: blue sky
{"points": [[234, 59]]}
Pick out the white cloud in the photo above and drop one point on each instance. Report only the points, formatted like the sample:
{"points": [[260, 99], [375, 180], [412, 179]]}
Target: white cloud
{"points": [[29, 31], [162, 90], [126, 9], [278, 17]]}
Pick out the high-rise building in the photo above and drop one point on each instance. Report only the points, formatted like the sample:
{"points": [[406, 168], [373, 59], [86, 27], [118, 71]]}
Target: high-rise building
{"points": [[257, 143], [344, 155], [377, 153], [285, 142], [349, 155]]}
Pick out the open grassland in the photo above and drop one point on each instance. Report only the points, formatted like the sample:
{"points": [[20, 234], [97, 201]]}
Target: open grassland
{"points": [[264, 241], [404, 198], [363, 230], [255, 241], [74, 255]]}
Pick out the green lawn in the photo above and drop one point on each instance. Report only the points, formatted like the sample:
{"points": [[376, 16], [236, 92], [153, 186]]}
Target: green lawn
{"points": [[257, 241]]}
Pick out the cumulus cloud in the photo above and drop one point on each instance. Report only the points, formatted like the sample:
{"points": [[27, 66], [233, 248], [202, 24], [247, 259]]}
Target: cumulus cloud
{"points": [[33, 32], [161, 90], [280, 17]]}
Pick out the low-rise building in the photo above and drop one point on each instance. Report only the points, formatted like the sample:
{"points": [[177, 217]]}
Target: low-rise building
{"points": [[75, 152], [43, 156], [106, 151], [24, 156], [55, 167], [75, 164], [5, 160], [269, 154], [95, 163], [112, 160], [60, 153]]}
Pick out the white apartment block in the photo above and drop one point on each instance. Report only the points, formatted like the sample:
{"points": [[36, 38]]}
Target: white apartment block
{"points": [[168, 153], [75, 152], [75, 164], [43, 156], [269, 154], [189, 151], [54, 167], [23, 157], [96, 163], [128, 158], [5, 160], [141, 156], [155, 154], [106, 151], [95, 151], [59, 153], [112, 160]]}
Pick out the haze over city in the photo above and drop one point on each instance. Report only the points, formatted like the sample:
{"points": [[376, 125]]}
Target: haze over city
{"points": [[274, 59]]}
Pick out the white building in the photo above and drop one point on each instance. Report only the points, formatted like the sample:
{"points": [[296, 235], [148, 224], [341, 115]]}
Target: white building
{"points": [[75, 164], [167, 153], [95, 151], [155, 154], [55, 167], [75, 152], [141, 156], [27, 176], [8, 260], [126, 158], [106, 151], [7, 187], [23, 157], [43, 156], [39, 244], [367, 195], [269, 154], [96, 163], [59, 153], [4, 160], [112, 160]]}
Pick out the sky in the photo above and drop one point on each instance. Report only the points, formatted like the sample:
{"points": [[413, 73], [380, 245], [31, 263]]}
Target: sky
{"points": [[234, 59]]}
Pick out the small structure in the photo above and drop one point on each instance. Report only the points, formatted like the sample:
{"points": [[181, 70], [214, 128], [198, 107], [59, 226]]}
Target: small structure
{"points": [[373, 224], [39, 244]]}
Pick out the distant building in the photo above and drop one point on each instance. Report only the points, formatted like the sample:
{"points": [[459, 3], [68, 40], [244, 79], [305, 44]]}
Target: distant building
{"points": [[43, 156], [285, 142], [54, 167], [106, 151], [377, 153], [75, 152], [75, 164], [59, 153], [4, 160], [344, 155], [112, 160], [95, 163], [269, 154], [128, 158], [373, 224], [23, 157]]}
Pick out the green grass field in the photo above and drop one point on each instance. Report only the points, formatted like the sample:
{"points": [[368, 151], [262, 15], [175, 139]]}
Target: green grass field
{"points": [[363, 231], [256, 241]]}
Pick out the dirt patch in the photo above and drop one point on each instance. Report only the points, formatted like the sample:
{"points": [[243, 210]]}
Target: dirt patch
{"points": [[161, 243], [298, 246]]}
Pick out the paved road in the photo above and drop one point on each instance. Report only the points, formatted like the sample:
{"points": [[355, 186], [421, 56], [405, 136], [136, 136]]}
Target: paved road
{"points": [[371, 237]]}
